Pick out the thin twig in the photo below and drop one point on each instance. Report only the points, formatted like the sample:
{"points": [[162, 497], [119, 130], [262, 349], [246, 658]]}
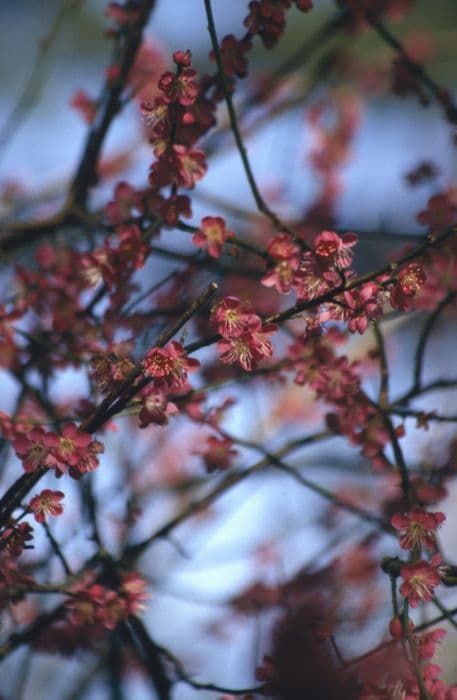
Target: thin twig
{"points": [[133, 551], [260, 202], [424, 337], [57, 550]]}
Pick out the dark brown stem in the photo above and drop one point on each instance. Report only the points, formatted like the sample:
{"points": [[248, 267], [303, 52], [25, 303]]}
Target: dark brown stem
{"points": [[86, 175], [260, 202]]}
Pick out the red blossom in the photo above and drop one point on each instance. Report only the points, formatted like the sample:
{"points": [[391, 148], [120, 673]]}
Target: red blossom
{"points": [[212, 235], [182, 58], [420, 580], [427, 643], [282, 247], [190, 165], [417, 528], [95, 604], [233, 317], [156, 116], [73, 448], [32, 449], [46, 503], [68, 447], [357, 307], [182, 88], [172, 208], [155, 407], [170, 364], [335, 250], [249, 348], [88, 461], [313, 278], [133, 589], [410, 280], [218, 453], [282, 275], [397, 629], [110, 371], [267, 19]]}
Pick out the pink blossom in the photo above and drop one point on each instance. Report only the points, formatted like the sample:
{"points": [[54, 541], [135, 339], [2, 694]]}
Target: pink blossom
{"points": [[170, 364], [233, 317], [335, 250], [282, 275], [420, 580], [32, 449], [417, 528], [212, 235], [46, 503], [182, 88], [218, 453], [155, 407], [248, 348]]}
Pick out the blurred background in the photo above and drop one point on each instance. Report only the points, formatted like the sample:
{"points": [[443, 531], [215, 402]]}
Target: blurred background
{"points": [[269, 529]]}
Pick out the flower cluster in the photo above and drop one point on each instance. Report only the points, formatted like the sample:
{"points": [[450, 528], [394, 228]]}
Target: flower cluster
{"points": [[245, 338], [317, 271], [72, 448], [169, 365], [118, 259], [267, 18], [91, 307], [95, 604], [396, 680], [51, 292], [417, 530], [176, 119], [336, 381]]}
